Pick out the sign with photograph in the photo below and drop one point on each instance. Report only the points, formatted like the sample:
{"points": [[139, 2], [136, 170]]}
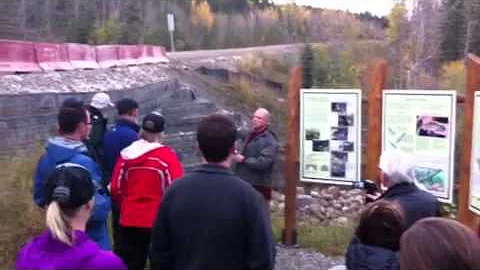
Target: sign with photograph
{"points": [[330, 135], [422, 123], [474, 200]]}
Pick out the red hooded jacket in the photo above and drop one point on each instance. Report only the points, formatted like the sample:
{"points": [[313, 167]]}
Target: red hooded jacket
{"points": [[141, 176]]}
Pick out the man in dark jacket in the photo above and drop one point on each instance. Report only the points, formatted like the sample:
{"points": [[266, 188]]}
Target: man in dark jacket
{"points": [[94, 142], [398, 177], [121, 135], [211, 219], [255, 162]]}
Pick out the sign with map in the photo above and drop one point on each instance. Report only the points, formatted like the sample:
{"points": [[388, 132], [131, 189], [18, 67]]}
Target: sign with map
{"points": [[330, 135], [474, 200], [422, 123]]}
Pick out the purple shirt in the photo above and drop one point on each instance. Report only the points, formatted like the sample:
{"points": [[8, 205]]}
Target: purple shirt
{"points": [[46, 252]]}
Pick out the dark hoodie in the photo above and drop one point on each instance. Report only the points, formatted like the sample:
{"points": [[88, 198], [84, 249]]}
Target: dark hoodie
{"points": [[361, 256], [95, 139]]}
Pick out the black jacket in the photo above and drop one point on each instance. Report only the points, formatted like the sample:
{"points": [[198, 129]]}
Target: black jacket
{"points": [[416, 203], [94, 142], [211, 219], [260, 154], [361, 256]]}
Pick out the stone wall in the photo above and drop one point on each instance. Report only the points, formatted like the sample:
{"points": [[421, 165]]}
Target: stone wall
{"points": [[331, 205], [26, 120]]}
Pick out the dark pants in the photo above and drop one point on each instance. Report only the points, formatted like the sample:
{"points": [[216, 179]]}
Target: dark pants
{"points": [[116, 229], [266, 193], [135, 243]]}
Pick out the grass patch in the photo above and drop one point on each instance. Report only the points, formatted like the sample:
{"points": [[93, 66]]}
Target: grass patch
{"points": [[20, 219], [329, 240]]}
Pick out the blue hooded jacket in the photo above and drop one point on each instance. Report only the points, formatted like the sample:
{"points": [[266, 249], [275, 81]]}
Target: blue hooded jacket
{"points": [[61, 150]]}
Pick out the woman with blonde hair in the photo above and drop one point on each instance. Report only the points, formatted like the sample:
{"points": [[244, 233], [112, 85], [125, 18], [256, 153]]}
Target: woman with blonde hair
{"points": [[69, 193]]}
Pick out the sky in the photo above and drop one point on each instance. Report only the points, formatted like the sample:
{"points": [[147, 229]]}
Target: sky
{"points": [[377, 7]]}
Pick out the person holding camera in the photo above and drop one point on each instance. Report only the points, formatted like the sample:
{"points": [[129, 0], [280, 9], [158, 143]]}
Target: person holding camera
{"points": [[397, 176]]}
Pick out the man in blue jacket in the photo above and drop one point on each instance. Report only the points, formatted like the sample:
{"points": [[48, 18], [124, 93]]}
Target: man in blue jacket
{"points": [[74, 127], [121, 135]]}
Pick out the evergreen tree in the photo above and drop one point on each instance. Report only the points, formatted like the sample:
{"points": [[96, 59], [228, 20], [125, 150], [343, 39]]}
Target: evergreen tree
{"points": [[229, 6], [472, 42], [131, 21], [307, 62], [454, 30]]}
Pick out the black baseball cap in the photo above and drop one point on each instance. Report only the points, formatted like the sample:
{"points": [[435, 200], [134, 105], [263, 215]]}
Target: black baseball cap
{"points": [[72, 102], [153, 122], [70, 185]]}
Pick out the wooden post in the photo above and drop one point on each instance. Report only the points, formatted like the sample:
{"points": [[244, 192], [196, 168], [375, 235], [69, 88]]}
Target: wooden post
{"points": [[473, 84], [374, 144], [289, 236]]}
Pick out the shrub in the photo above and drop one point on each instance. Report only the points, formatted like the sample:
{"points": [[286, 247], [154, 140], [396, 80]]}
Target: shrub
{"points": [[453, 76], [21, 218]]}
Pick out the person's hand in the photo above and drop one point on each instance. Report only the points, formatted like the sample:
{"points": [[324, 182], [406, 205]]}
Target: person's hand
{"points": [[373, 197], [238, 158]]}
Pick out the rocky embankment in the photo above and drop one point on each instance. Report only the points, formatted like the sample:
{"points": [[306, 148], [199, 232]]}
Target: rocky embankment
{"points": [[330, 205], [75, 81]]}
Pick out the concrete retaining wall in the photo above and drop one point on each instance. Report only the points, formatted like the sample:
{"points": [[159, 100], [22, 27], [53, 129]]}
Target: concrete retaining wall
{"points": [[26, 120]]}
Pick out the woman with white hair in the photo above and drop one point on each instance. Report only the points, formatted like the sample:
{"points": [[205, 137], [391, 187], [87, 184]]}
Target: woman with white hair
{"points": [[397, 176]]}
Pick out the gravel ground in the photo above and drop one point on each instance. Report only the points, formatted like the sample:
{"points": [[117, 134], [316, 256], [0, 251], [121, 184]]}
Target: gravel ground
{"points": [[299, 258]]}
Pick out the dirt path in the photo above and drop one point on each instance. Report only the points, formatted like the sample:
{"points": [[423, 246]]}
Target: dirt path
{"points": [[303, 259], [274, 49]]}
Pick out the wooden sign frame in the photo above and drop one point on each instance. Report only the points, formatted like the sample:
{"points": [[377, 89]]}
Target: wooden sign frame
{"points": [[289, 234], [378, 79], [473, 84]]}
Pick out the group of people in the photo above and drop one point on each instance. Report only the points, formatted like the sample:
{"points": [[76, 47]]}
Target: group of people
{"points": [[215, 217], [402, 229]]}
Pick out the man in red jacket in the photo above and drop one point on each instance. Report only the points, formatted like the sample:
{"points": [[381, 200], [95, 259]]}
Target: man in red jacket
{"points": [[141, 175]]}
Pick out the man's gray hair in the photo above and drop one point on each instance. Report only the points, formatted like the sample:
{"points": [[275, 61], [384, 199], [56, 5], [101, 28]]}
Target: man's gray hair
{"points": [[398, 166]]}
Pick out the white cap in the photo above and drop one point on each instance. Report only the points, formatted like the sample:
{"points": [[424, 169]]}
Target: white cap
{"points": [[397, 165], [101, 100]]}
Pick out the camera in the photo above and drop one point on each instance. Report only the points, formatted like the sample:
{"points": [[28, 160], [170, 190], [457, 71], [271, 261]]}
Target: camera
{"points": [[368, 185]]}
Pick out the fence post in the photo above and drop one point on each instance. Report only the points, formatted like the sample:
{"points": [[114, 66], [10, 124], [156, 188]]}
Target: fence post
{"points": [[289, 235], [473, 84], [374, 144]]}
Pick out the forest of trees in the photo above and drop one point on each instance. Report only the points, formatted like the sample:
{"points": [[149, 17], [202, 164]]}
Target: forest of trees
{"points": [[200, 24], [425, 47], [424, 43]]}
